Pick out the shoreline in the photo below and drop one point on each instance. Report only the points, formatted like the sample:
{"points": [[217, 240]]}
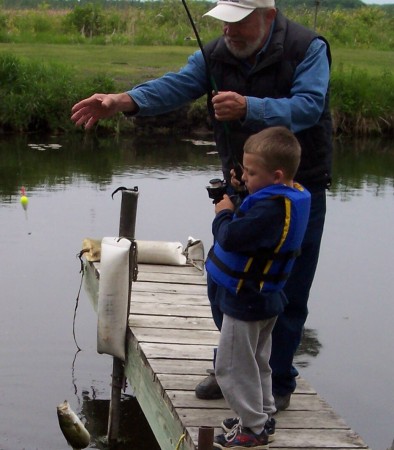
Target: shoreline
{"points": [[193, 119]]}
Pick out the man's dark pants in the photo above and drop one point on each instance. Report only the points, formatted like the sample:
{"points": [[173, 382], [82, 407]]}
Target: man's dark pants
{"points": [[289, 326]]}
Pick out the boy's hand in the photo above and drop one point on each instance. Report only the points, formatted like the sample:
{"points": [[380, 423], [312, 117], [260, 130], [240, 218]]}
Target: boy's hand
{"points": [[238, 185], [235, 183], [226, 203]]}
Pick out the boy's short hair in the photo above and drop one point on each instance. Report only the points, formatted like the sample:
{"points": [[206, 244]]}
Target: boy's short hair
{"points": [[278, 148]]}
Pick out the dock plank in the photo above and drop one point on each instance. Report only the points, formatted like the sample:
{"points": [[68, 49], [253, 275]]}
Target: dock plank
{"points": [[163, 322], [307, 439], [156, 268], [165, 298], [170, 347], [324, 419], [301, 402], [173, 336], [171, 278], [173, 310], [171, 288], [188, 382]]}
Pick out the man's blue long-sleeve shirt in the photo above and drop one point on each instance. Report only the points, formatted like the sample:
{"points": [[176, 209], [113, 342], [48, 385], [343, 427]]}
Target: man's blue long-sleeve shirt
{"points": [[301, 110]]}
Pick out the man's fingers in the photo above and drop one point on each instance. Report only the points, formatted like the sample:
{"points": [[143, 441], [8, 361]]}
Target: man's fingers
{"points": [[81, 116], [90, 123]]}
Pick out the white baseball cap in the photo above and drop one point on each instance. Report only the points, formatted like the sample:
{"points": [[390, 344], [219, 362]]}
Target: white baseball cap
{"points": [[236, 10]]}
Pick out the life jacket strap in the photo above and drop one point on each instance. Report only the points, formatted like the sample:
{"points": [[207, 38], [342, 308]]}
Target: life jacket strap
{"points": [[255, 271]]}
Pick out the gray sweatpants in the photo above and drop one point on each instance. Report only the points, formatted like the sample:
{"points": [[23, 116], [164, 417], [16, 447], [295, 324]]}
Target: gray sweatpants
{"points": [[243, 372]]}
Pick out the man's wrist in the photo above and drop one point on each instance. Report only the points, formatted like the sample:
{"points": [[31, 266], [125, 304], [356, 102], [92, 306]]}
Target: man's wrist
{"points": [[126, 104]]}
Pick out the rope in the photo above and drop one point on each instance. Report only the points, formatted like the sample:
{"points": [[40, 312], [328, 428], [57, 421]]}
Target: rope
{"points": [[82, 272], [181, 439]]}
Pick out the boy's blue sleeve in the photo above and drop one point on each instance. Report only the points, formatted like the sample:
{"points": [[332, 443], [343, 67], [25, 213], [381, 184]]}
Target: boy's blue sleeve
{"points": [[260, 227]]}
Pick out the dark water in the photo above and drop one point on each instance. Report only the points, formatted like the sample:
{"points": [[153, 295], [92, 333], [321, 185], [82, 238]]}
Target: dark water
{"points": [[347, 354]]}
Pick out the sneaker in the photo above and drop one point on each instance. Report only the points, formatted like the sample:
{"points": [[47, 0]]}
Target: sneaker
{"points": [[282, 402], [229, 424], [241, 438], [269, 427], [209, 388]]}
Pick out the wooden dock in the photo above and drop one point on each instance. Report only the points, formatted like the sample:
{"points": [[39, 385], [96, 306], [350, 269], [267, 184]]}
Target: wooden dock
{"points": [[170, 346]]}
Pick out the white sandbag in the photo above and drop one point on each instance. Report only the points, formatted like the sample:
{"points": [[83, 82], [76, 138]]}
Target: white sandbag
{"points": [[194, 253], [113, 297], [161, 252], [149, 252]]}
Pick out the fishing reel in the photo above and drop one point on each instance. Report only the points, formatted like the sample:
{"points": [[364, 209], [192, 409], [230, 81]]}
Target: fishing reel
{"points": [[216, 189]]}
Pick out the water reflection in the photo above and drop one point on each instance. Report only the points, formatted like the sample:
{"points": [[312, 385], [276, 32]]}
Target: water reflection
{"points": [[309, 348], [58, 160], [36, 161], [362, 164], [134, 431]]}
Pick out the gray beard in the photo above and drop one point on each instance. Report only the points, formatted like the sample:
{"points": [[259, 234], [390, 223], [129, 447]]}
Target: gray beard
{"points": [[247, 52]]}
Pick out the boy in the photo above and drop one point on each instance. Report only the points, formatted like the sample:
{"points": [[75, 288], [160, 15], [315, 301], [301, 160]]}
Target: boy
{"points": [[254, 250]]}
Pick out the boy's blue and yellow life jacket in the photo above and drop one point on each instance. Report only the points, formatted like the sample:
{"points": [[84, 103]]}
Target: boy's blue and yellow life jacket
{"points": [[270, 268]]}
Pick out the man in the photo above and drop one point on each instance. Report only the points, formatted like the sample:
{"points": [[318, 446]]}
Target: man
{"points": [[269, 71]]}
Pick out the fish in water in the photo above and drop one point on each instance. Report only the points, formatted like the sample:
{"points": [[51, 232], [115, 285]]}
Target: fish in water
{"points": [[72, 428]]}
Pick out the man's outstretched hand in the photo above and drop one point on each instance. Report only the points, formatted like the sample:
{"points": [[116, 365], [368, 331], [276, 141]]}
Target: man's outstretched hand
{"points": [[89, 111]]}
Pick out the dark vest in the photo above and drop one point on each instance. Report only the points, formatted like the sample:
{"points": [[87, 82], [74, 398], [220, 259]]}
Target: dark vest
{"points": [[271, 77]]}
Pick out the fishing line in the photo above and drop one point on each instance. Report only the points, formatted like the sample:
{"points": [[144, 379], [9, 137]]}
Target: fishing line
{"points": [[73, 379], [79, 256], [237, 165]]}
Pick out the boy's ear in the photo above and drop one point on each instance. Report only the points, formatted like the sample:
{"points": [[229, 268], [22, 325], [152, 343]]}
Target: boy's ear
{"points": [[278, 176]]}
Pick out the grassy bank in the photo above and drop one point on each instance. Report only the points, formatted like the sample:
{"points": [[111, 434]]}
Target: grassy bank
{"points": [[134, 63], [127, 65], [40, 83]]}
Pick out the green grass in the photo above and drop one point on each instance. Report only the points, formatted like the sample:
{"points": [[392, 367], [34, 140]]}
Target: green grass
{"points": [[372, 62], [129, 65]]}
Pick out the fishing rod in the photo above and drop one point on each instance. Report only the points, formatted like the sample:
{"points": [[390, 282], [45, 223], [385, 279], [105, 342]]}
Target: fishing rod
{"points": [[208, 69], [237, 165]]}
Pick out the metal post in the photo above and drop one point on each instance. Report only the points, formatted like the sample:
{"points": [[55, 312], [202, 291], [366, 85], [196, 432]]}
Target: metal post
{"points": [[128, 212], [205, 438]]}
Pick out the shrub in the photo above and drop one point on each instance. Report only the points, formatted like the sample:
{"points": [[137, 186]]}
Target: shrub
{"points": [[87, 20], [37, 97], [362, 104]]}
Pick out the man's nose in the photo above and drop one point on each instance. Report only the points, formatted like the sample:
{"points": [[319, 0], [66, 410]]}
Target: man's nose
{"points": [[229, 28]]}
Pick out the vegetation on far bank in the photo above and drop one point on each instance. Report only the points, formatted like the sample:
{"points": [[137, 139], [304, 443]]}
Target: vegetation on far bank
{"points": [[40, 79], [122, 4], [166, 23]]}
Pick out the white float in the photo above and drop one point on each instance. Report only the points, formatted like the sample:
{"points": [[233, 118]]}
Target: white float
{"points": [[160, 252], [112, 253], [113, 298]]}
